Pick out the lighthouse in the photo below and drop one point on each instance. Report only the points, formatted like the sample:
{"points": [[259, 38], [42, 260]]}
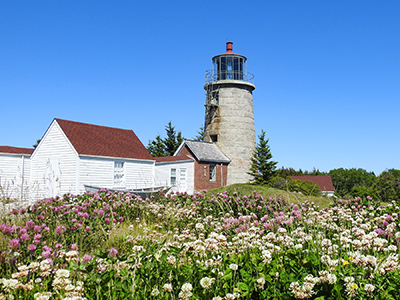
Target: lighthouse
{"points": [[229, 116]]}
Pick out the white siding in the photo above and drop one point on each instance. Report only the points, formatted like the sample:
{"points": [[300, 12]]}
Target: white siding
{"points": [[99, 172], [96, 171], [53, 165], [14, 176], [163, 171], [139, 174]]}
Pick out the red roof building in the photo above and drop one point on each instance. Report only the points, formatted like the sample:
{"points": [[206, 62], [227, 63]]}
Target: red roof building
{"points": [[324, 182], [89, 139], [16, 150], [73, 157]]}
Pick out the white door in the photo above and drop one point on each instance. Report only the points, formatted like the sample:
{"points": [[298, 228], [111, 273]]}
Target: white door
{"points": [[52, 177], [182, 180]]}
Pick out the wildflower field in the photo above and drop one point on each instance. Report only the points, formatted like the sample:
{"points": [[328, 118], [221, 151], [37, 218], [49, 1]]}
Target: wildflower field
{"points": [[223, 246]]}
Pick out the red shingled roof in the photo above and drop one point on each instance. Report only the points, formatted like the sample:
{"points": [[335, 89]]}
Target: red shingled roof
{"points": [[172, 158], [15, 150], [324, 182], [89, 139]]}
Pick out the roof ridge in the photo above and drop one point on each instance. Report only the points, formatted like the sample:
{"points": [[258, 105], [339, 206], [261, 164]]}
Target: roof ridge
{"points": [[99, 140], [89, 124]]}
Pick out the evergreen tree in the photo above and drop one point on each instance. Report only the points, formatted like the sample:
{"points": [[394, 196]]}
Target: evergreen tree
{"points": [[36, 144], [173, 139], [200, 134], [157, 147], [262, 168], [166, 146]]}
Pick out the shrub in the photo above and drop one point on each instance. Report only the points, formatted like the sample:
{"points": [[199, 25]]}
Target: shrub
{"points": [[278, 182], [305, 187]]}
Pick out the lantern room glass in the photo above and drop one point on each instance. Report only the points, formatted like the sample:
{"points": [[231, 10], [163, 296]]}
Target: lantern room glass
{"points": [[229, 67]]}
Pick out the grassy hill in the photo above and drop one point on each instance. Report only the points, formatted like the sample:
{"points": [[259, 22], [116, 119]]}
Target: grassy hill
{"points": [[267, 192]]}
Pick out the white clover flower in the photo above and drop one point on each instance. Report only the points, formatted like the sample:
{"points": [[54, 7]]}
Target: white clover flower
{"points": [[184, 295], [42, 296], [391, 262], [136, 249], [230, 296], [168, 288], [349, 279], [209, 262], [71, 254], [267, 256], [260, 283], [282, 230], [206, 282], [187, 287], [9, 283], [62, 273], [199, 227], [233, 267], [217, 298], [332, 279], [369, 288], [38, 280], [325, 243], [155, 292], [69, 288], [34, 266], [298, 246], [308, 238], [171, 260]]}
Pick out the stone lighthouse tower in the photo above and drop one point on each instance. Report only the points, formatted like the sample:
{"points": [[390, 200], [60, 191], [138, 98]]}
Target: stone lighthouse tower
{"points": [[229, 117]]}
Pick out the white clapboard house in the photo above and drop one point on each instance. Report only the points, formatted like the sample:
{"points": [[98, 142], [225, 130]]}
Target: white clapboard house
{"points": [[71, 155], [14, 172], [176, 172], [74, 157]]}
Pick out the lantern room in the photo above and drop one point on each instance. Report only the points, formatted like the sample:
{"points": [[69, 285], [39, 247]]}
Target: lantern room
{"points": [[229, 66]]}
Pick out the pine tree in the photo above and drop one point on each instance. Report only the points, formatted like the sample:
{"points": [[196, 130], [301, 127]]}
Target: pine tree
{"points": [[166, 146], [200, 135], [157, 147], [262, 168], [173, 139]]}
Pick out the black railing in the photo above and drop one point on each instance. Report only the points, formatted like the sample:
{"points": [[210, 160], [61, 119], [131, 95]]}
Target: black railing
{"points": [[228, 75]]}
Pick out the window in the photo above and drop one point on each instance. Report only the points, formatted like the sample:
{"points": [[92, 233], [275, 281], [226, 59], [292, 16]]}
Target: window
{"points": [[182, 179], [119, 178], [214, 138], [213, 169], [173, 177]]}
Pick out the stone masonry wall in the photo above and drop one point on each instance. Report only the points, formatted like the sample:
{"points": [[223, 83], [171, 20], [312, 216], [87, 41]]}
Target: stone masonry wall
{"points": [[233, 123]]}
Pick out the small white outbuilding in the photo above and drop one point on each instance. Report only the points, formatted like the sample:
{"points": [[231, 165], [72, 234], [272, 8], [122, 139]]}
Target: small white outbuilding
{"points": [[176, 172], [74, 157], [14, 172], [71, 155]]}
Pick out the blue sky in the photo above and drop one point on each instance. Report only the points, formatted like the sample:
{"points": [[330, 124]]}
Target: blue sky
{"points": [[327, 73]]}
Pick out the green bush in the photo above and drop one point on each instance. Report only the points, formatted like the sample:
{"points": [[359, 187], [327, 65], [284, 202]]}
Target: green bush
{"points": [[363, 192], [308, 188], [278, 183]]}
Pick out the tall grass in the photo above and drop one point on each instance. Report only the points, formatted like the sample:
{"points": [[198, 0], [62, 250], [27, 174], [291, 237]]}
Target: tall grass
{"points": [[211, 245]]}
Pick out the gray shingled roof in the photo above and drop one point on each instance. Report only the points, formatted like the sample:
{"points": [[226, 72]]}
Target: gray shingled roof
{"points": [[205, 151]]}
